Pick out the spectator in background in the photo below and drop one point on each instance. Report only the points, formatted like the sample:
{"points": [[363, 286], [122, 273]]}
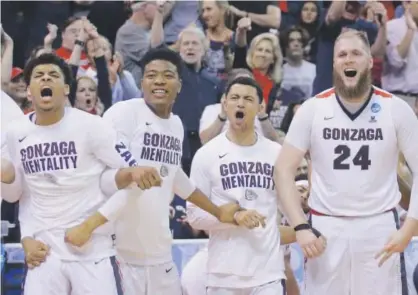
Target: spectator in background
{"points": [[16, 89], [297, 72], [401, 67], [86, 97], [264, 59], [288, 117], [309, 18], [264, 15], [70, 33], [199, 89], [144, 29], [177, 16], [342, 15], [220, 38], [214, 120]]}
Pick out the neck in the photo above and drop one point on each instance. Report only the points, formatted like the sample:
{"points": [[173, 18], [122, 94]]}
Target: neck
{"points": [[359, 99], [242, 137], [139, 19], [44, 118], [263, 71], [162, 111], [217, 30], [294, 62]]}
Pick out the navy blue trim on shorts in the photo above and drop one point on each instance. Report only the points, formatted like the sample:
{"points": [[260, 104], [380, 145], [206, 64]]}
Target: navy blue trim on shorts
{"points": [[25, 274], [415, 278], [284, 286], [116, 273], [402, 257]]}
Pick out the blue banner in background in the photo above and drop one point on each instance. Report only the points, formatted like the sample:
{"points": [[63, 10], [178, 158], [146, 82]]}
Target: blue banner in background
{"points": [[183, 251]]}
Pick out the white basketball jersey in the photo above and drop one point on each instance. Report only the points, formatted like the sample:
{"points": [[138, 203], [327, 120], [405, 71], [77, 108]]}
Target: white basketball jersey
{"points": [[239, 257], [354, 156]]}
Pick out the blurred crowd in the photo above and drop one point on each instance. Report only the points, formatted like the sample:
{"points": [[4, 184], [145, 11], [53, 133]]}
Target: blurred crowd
{"points": [[286, 46]]}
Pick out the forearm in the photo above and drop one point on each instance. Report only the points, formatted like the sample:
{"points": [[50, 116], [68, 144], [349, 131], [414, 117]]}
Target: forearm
{"points": [[200, 200], [269, 131], [403, 47], [75, 55], [287, 235], [335, 11], [378, 48], [289, 197], [212, 131], [270, 20], [113, 180], [405, 190], [157, 30], [241, 38], [201, 220], [7, 63]]}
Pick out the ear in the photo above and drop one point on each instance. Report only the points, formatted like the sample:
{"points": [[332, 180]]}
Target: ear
{"points": [[180, 86], [370, 63], [29, 94], [142, 84], [66, 89]]}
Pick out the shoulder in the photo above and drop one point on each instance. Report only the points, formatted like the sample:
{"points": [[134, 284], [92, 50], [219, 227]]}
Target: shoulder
{"points": [[212, 147], [267, 144], [126, 108], [215, 108], [176, 121], [396, 23]]}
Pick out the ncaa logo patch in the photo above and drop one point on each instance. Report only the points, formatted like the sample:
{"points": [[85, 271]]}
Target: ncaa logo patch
{"points": [[163, 171], [250, 195], [376, 107]]}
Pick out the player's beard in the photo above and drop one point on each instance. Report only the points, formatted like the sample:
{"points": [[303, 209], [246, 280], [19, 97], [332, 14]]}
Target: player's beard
{"points": [[360, 89]]}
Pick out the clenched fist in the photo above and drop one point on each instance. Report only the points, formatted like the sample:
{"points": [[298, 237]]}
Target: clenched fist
{"points": [[78, 235], [145, 177], [250, 219]]}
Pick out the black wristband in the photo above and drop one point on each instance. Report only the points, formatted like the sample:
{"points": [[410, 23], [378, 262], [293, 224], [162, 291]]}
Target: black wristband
{"points": [[221, 119], [302, 226], [81, 43], [263, 119], [316, 232]]}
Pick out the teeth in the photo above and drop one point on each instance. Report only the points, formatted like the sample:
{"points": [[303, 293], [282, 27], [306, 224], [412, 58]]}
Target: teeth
{"points": [[160, 91]]}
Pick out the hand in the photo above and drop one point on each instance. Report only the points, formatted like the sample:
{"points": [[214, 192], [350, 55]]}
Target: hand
{"points": [[113, 71], [146, 177], [117, 57], [250, 219], [227, 213], [311, 245], [160, 5], [35, 252], [7, 172], [410, 23], [90, 29], [78, 235], [378, 8], [397, 243], [235, 11], [52, 34], [244, 24]]}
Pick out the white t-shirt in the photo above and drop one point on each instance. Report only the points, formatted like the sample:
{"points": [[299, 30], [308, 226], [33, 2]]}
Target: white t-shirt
{"points": [[354, 159], [239, 257], [61, 165], [211, 112], [143, 234]]}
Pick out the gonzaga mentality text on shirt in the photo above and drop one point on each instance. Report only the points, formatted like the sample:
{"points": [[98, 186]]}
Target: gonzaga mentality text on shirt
{"points": [[61, 165], [240, 257]]}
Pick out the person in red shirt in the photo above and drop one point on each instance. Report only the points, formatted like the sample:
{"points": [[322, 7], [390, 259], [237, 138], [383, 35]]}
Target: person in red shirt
{"points": [[70, 32]]}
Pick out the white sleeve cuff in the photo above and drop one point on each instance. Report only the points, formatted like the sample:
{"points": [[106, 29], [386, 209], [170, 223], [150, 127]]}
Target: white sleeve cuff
{"points": [[108, 182]]}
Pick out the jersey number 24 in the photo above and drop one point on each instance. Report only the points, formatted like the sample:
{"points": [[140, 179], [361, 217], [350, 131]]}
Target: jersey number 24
{"points": [[361, 158]]}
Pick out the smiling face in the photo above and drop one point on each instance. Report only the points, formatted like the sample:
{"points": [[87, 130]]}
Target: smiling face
{"points": [[212, 14], [352, 66], [161, 83], [242, 105], [47, 88]]}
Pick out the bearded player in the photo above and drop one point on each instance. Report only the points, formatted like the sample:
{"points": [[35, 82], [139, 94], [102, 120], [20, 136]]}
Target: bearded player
{"points": [[155, 137], [354, 133]]}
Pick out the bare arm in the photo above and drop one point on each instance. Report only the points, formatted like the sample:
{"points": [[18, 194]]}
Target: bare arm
{"points": [[207, 132], [335, 11], [157, 30], [378, 48], [270, 20], [268, 129], [7, 58]]}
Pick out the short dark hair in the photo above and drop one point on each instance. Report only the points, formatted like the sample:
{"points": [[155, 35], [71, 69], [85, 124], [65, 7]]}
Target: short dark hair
{"points": [[162, 53], [68, 22], [246, 81], [48, 58]]}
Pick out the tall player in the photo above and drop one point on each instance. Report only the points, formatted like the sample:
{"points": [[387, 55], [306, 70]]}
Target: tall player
{"points": [[155, 137], [60, 154], [354, 133], [237, 166]]}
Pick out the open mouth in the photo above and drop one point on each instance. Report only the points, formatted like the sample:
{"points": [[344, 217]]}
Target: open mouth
{"points": [[159, 92], [46, 94], [239, 115], [351, 73]]}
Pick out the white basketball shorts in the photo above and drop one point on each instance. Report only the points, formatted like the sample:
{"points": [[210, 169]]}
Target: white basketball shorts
{"points": [[348, 265], [194, 275], [162, 279], [57, 277]]}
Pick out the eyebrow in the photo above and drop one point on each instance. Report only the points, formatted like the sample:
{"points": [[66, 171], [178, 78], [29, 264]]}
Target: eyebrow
{"points": [[155, 71], [53, 72]]}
